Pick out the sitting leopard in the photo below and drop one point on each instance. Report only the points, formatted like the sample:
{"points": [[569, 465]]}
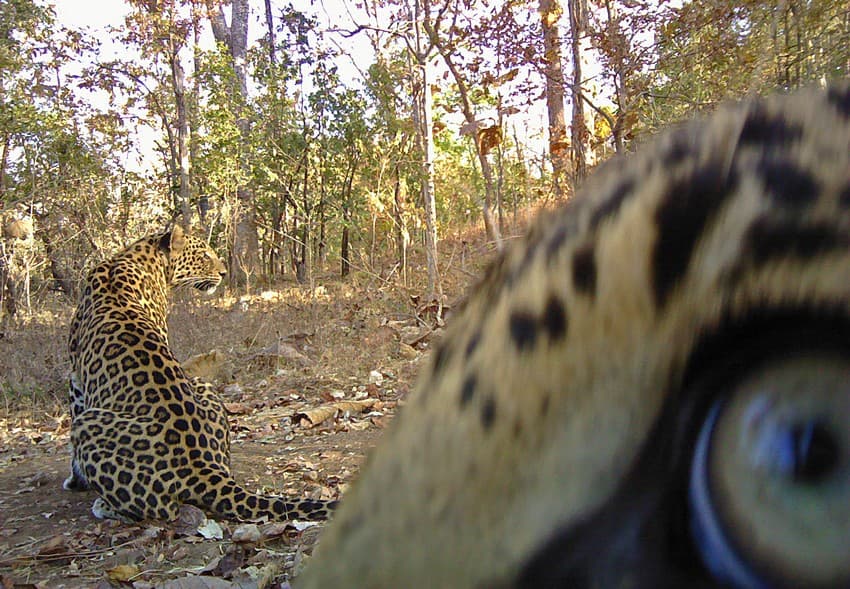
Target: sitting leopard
{"points": [[652, 389], [144, 436]]}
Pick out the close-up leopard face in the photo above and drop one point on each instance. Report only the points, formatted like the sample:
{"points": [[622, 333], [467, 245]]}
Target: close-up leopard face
{"points": [[651, 389]]}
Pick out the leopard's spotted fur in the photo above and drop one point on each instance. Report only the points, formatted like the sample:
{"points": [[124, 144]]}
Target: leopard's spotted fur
{"points": [[145, 437]]}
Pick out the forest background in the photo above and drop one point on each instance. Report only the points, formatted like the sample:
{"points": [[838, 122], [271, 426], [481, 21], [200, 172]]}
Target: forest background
{"points": [[310, 140], [356, 163]]}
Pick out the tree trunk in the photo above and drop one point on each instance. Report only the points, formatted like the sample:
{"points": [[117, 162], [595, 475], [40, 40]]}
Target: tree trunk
{"points": [[302, 266], [61, 274], [8, 290], [423, 122], [345, 263], [486, 171], [183, 197], [321, 244], [550, 14], [173, 159], [319, 234], [4, 162], [245, 259], [620, 47], [401, 234], [203, 199], [578, 24], [270, 30], [346, 214], [428, 199], [526, 177]]}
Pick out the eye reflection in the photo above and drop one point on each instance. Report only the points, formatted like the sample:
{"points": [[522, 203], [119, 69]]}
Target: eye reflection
{"points": [[805, 451], [770, 480], [814, 452]]}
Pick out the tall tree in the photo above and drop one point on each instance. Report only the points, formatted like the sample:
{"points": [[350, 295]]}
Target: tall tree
{"points": [[244, 252], [447, 46], [159, 32], [178, 82], [627, 57], [341, 132], [579, 46], [550, 15], [388, 82], [58, 154], [709, 51], [423, 117]]}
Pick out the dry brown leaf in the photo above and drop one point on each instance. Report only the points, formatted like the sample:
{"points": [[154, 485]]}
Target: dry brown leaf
{"points": [[317, 415], [122, 573], [381, 336], [274, 530], [211, 565], [178, 552], [381, 422], [257, 577], [204, 366], [189, 519], [237, 408], [229, 562], [54, 547], [281, 350]]}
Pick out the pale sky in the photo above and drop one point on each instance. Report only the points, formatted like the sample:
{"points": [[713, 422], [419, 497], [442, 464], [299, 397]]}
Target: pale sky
{"points": [[98, 14], [79, 13], [93, 15]]}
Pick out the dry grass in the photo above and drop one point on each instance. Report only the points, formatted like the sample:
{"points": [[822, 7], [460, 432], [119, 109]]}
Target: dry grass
{"points": [[328, 324], [337, 325], [34, 362]]}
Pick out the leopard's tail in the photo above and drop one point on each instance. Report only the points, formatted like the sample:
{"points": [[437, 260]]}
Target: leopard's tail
{"points": [[230, 500]]}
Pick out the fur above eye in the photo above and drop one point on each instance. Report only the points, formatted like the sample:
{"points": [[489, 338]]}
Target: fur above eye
{"points": [[770, 479]]}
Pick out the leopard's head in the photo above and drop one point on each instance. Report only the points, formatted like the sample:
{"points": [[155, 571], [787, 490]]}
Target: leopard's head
{"points": [[193, 262]]}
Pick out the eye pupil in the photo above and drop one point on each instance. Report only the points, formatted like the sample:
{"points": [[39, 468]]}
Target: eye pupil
{"points": [[815, 452]]}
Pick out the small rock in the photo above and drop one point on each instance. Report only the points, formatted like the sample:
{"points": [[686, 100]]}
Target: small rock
{"points": [[246, 533], [234, 390]]}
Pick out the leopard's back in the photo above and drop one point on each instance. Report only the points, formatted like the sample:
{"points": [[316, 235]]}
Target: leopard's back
{"points": [[144, 436]]}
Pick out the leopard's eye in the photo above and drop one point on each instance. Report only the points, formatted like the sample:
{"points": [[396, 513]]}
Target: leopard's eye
{"points": [[770, 479]]}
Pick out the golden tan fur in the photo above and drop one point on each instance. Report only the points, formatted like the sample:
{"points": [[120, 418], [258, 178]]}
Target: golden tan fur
{"points": [[503, 448]]}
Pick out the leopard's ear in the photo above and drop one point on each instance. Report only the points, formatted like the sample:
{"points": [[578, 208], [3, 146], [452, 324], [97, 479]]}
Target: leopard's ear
{"points": [[174, 240]]}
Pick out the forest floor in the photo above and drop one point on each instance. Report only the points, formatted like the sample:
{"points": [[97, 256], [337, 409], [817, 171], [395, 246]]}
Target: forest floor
{"points": [[288, 351]]}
